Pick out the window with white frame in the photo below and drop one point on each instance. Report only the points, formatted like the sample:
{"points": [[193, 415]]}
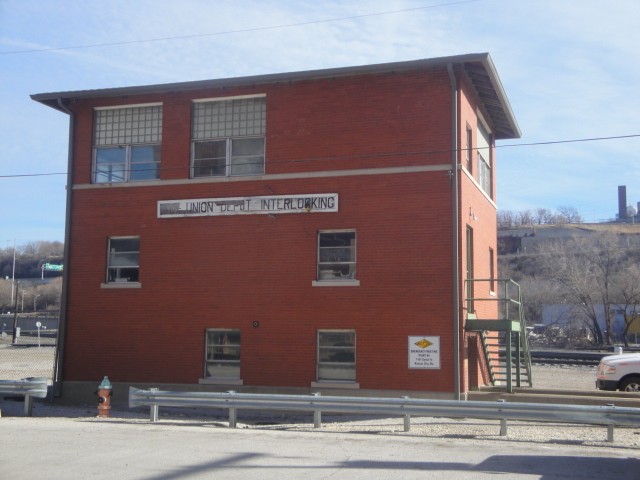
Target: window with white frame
{"points": [[469, 150], [484, 160], [484, 174], [228, 137], [337, 355], [222, 354], [337, 255], [492, 270], [123, 263], [127, 144]]}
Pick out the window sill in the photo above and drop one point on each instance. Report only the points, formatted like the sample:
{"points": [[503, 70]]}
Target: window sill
{"points": [[121, 285], [335, 283], [328, 384], [220, 381]]}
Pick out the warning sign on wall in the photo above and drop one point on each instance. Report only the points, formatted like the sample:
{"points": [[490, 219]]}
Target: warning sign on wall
{"points": [[424, 352]]}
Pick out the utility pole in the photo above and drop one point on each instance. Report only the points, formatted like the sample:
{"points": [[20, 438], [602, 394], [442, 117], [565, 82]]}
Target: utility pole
{"points": [[15, 319], [13, 272]]}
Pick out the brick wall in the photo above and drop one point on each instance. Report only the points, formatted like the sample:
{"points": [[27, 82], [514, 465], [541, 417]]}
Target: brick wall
{"points": [[228, 272]]}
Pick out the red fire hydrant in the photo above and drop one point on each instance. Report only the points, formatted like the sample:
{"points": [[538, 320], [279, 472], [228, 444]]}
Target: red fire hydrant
{"points": [[104, 398]]}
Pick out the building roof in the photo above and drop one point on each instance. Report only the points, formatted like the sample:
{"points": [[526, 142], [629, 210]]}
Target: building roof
{"points": [[478, 67]]}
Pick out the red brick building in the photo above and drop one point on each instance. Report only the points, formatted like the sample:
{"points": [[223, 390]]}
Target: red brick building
{"points": [[303, 231]]}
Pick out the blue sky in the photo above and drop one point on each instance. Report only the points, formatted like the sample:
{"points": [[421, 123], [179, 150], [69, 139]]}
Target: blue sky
{"points": [[570, 69]]}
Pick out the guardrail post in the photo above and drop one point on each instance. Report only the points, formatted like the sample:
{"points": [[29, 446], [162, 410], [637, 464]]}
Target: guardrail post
{"points": [[233, 413], [518, 356], [503, 423], [508, 361], [154, 409], [610, 427], [317, 414], [28, 405], [407, 419], [503, 427]]}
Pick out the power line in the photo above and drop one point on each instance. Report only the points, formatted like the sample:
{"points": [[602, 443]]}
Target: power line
{"points": [[229, 32], [376, 155], [555, 142], [19, 175]]}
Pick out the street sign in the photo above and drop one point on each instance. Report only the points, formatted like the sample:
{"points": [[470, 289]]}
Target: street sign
{"points": [[52, 267]]}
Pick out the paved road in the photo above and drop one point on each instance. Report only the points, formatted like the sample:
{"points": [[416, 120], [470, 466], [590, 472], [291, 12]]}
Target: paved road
{"points": [[70, 448]]}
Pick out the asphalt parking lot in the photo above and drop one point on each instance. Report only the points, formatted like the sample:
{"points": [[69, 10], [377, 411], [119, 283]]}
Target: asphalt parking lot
{"points": [[71, 442], [134, 448]]}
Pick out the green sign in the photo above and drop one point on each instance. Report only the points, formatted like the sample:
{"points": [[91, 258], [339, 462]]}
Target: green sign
{"points": [[52, 267]]}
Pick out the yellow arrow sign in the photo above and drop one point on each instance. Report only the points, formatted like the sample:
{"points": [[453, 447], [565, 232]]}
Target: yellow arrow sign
{"points": [[424, 343]]}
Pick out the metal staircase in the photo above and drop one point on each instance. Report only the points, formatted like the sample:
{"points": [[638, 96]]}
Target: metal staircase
{"points": [[503, 331]]}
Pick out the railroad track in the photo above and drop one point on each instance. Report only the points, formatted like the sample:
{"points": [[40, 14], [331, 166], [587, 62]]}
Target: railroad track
{"points": [[567, 357]]}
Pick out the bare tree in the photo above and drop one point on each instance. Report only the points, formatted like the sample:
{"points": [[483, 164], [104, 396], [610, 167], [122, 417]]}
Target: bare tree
{"points": [[568, 215], [506, 218], [585, 272], [5, 295], [627, 297], [539, 216], [543, 216], [537, 292], [525, 217], [50, 294]]}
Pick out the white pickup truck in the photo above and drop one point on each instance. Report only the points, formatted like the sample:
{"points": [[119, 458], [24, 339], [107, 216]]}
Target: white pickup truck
{"points": [[619, 372]]}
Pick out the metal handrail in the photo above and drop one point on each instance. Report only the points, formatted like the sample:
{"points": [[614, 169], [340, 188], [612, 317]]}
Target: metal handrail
{"points": [[608, 416], [509, 295], [28, 388]]}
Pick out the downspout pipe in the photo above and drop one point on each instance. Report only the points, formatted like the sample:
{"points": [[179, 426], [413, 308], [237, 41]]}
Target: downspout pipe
{"points": [[455, 230], [62, 322]]}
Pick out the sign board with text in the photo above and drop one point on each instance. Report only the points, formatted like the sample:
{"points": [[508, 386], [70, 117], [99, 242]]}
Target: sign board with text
{"points": [[424, 352], [51, 267], [268, 205]]}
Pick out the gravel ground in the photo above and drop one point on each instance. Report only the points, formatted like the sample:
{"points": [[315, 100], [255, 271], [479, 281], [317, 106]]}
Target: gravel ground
{"points": [[474, 430], [463, 430], [565, 377]]}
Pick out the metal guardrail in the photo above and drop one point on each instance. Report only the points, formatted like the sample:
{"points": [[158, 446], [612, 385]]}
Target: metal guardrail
{"points": [[28, 387], [609, 416]]}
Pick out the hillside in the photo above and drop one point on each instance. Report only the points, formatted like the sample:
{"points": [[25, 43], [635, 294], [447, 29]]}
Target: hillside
{"points": [[523, 239]]}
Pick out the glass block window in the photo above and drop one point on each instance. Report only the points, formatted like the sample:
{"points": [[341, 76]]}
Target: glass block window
{"points": [[228, 137], [120, 126], [240, 117], [127, 144]]}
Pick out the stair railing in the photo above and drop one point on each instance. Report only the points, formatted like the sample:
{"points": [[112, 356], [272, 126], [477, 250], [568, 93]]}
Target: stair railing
{"points": [[509, 308]]}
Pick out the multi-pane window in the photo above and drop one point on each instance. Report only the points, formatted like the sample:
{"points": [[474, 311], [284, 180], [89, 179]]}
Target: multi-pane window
{"points": [[228, 137], [123, 263], [127, 144], [337, 255], [337, 355], [469, 149], [492, 271], [222, 354], [484, 160], [484, 174], [469, 273]]}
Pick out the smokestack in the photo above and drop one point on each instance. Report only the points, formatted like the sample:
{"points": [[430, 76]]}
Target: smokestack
{"points": [[622, 202]]}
